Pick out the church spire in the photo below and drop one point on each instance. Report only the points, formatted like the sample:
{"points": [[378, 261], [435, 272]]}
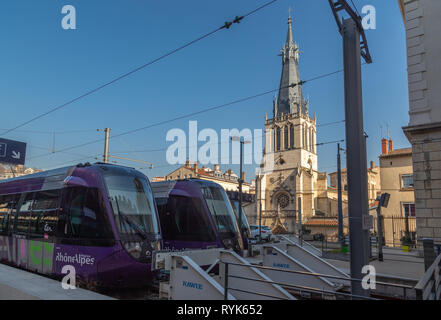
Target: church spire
{"points": [[290, 100], [289, 37]]}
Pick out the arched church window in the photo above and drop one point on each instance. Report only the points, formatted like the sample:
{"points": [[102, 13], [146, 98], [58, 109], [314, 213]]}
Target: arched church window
{"points": [[272, 138], [307, 144], [278, 133], [311, 147], [291, 136], [302, 133], [285, 138], [303, 137]]}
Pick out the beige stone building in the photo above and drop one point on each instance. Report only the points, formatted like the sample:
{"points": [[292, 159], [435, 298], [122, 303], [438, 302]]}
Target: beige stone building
{"points": [[423, 24], [7, 171], [397, 179], [290, 143], [374, 181], [228, 179]]}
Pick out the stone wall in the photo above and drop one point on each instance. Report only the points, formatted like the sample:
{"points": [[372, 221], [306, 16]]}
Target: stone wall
{"points": [[423, 25], [427, 180]]}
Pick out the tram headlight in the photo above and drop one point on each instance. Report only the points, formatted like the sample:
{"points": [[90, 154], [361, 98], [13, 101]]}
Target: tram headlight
{"points": [[134, 249], [228, 243]]}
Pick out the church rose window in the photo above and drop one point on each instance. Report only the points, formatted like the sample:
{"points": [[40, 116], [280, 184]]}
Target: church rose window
{"points": [[283, 200]]}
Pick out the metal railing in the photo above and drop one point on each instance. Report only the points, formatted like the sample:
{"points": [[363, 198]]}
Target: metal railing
{"points": [[299, 288], [428, 288]]}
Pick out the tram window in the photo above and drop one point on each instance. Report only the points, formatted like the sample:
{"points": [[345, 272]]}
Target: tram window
{"points": [[184, 219], [6, 203], [23, 216], [44, 216], [36, 224], [75, 209], [4, 210], [95, 224], [87, 217]]}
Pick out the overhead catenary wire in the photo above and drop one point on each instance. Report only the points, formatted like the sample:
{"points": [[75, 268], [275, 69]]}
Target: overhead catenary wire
{"points": [[52, 132], [355, 7], [196, 113], [226, 25], [214, 143], [95, 157], [251, 153]]}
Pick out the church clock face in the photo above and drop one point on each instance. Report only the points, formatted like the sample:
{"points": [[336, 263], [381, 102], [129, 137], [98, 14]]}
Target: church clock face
{"points": [[283, 200]]}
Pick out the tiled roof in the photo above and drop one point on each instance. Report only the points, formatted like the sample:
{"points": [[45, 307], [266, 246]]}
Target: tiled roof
{"points": [[324, 222]]}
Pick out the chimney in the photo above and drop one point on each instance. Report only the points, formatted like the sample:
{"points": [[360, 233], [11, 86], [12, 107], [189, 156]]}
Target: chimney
{"points": [[391, 145], [216, 167], [187, 163], [243, 176], [196, 167], [372, 165], [383, 146]]}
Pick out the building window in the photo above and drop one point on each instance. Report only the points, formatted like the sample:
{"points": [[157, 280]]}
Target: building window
{"points": [[286, 137], [302, 133], [291, 136], [278, 132], [409, 209], [407, 181]]}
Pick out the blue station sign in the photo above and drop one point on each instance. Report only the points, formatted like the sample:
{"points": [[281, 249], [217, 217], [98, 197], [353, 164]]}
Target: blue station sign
{"points": [[12, 152]]}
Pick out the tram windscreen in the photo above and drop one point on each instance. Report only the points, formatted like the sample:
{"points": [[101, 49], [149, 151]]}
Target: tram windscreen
{"points": [[133, 205], [221, 210], [184, 219], [244, 226]]}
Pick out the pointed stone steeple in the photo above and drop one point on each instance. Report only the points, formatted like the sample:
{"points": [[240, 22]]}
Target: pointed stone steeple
{"points": [[290, 100]]}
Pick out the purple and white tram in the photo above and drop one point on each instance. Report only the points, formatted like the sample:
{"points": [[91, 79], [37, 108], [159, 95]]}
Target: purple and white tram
{"points": [[196, 214], [99, 218]]}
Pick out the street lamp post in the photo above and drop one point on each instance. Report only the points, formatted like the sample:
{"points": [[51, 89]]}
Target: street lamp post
{"points": [[340, 200]]}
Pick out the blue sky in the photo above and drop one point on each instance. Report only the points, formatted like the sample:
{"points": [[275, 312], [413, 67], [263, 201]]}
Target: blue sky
{"points": [[43, 65]]}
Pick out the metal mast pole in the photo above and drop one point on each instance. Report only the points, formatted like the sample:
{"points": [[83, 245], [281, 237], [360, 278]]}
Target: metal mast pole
{"points": [[299, 210], [106, 145], [339, 199], [356, 154], [260, 207], [353, 48], [380, 233], [240, 185]]}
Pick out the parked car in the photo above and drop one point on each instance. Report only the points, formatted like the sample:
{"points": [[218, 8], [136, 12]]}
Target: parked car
{"points": [[265, 232], [318, 237]]}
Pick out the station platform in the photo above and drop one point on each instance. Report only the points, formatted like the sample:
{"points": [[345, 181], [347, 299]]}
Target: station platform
{"points": [[17, 284]]}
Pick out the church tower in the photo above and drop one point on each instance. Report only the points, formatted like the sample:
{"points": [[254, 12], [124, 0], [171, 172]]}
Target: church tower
{"points": [[290, 142]]}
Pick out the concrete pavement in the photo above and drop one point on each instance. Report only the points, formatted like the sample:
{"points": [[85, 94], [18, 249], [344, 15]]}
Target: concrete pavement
{"points": [[17, 284]]}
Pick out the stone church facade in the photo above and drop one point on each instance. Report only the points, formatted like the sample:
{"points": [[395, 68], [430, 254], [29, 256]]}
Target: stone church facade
{"points": [[290, 142]]}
